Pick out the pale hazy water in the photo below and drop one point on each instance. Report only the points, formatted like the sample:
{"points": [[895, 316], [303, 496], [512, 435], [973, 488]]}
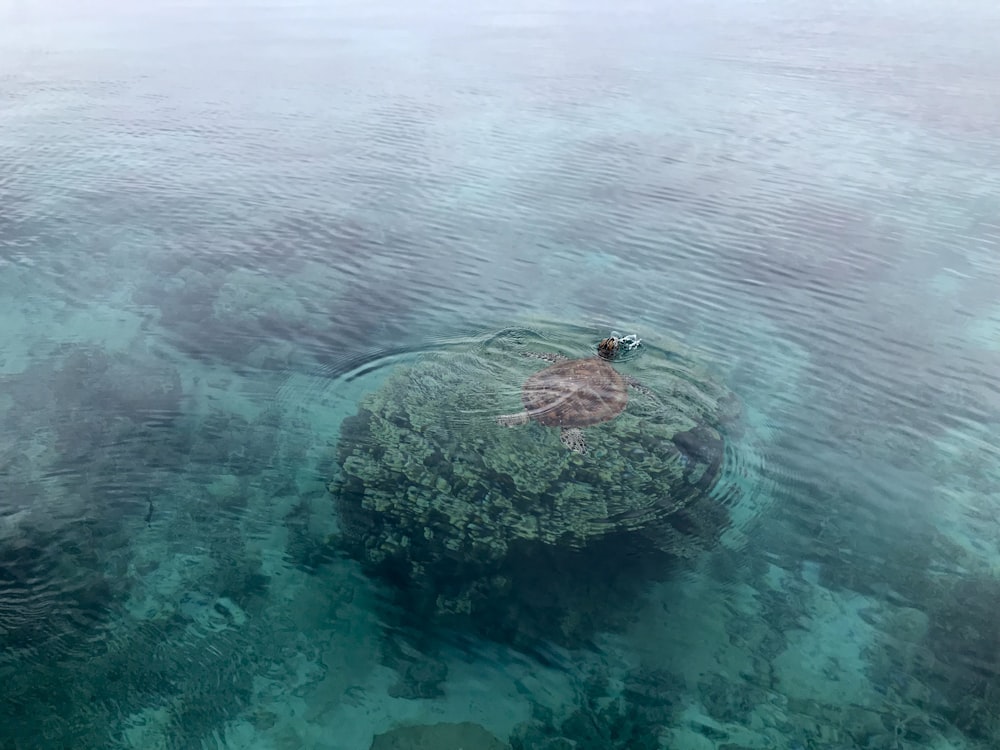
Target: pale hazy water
{"points": [[221, 224]]}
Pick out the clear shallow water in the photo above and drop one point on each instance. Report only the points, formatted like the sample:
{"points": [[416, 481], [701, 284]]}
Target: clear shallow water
{"points": [[222, 226]]}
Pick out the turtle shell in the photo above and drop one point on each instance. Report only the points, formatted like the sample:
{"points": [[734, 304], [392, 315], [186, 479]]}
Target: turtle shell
{"points": [[576, 393]]}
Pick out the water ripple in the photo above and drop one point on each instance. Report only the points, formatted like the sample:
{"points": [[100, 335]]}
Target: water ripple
{"points": [[219, 229]]}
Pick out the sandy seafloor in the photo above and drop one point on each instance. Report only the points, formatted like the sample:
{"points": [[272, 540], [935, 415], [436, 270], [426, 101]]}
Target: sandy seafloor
{"points": [[199, 279]]}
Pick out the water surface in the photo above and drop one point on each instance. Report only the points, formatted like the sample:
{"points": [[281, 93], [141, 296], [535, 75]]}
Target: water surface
{"points": [[223, 225]]}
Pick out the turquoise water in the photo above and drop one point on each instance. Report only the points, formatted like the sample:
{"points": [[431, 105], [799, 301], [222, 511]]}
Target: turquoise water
{"points": [[266, 271]]}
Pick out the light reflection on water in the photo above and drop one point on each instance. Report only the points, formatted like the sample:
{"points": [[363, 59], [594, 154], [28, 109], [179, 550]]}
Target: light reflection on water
{"points": [[220, 228]]}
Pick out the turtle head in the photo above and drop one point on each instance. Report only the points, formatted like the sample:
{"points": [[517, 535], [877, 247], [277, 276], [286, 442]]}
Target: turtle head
{"points": [[608, 347]]}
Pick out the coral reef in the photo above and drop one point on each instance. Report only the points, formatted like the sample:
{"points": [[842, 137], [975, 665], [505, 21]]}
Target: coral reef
{"points": [[469, 518]]}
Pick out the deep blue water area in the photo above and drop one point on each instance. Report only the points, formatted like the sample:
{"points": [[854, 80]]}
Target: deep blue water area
{"points": [[268, 274]]}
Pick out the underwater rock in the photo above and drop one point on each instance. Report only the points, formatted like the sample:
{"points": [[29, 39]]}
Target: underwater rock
{"points": [[443, 736], [470, 518]]}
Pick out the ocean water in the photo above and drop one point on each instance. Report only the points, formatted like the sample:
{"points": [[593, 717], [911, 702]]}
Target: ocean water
{"points": [[267, 271]]}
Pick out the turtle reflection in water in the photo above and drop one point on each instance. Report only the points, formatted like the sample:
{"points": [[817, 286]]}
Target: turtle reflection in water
{"points": [[575, 393]]}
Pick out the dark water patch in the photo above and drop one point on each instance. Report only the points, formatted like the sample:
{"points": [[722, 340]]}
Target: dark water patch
{"points": [[960, 649], [94, 414], [175, 651], [131, 671], [56, 593], [228, 442]]}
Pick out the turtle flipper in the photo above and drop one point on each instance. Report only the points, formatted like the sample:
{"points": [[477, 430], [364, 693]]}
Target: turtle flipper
{"points": [[513, 420], [572, 438]]}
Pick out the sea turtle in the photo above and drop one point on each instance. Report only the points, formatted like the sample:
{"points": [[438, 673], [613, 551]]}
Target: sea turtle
{"points": [[574, 393]]}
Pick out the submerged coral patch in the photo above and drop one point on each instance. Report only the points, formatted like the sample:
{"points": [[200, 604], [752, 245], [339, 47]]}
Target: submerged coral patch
{"points": [[472, 518]]}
